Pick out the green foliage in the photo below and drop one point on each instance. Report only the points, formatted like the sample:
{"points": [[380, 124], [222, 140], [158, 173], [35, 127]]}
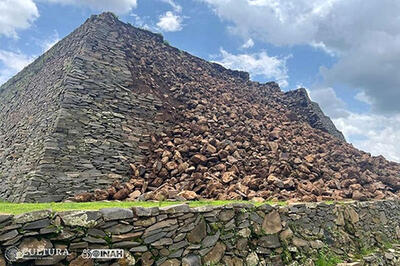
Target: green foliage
{"points": [[18, 208], [166, 42], [364, 251], [286, 255], [108, 239], [327, 258]]}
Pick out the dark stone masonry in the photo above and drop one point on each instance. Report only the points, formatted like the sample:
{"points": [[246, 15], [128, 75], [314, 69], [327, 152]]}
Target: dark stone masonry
{"points": [[77, 117], [70, 121], [363, 233], [310, 112]]}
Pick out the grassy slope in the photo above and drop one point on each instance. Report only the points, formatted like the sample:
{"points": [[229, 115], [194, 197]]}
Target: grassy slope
{"points": [[18, 208]]}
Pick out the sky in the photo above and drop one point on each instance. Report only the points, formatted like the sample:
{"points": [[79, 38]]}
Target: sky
{"points": [[346, 53]]}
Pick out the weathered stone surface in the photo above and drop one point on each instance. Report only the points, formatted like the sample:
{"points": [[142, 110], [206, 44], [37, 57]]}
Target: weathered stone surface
{"points": [[269, 241], [317, 244], [80, 218], [147, 258], [245, 232], [8, 235], [119, 229], [232, 261], [181, 208], [252, 259], [171, 262], [138, 249], [126, 237], [32, 216], [126, 244], [216, 254], [352, 215], [37, 224], [210, 241], [94, 240], [199, 159], [162, 242], [286, 235], [161, 226], [33, 243], [145, 222], [188, 195], [226, 215], [78, 245], [96, 232], [191, 260], [79, 261], [111, 214], [340, 218], [139, 211], [272, 223], [298, 242], [4, 218], [198, 233], [154, 237]]}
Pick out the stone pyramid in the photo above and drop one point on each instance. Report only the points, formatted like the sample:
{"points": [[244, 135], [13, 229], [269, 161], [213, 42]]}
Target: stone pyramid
{"points": [[72, 119], [86, 113]]}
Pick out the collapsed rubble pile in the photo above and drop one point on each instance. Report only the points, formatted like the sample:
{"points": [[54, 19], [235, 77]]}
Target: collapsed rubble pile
{"points": [[230, 138], [231, 143]]}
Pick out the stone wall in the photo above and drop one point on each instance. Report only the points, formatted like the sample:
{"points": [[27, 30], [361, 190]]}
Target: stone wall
{"points": [[237, 234], [310, 112], [29, 104], [72, 120]]}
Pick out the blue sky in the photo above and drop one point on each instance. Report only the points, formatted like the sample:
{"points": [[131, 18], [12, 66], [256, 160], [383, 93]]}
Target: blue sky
{"points": [[345, 52]]}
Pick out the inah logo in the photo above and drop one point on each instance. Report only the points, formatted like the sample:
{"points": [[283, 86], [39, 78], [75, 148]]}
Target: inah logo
{"points": [[103, 253]]}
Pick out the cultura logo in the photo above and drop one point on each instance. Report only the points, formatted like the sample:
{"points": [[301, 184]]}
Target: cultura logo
{"points": [[13, 254]]}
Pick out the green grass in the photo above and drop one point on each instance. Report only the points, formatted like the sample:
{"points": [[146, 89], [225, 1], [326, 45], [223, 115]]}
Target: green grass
{"points": [[327, 258], [18, 208]]}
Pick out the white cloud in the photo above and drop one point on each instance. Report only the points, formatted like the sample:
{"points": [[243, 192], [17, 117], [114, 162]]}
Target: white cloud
{"points": [[141, 22], [261, 64], [326, 97], [16, 15], [12, 63], [177, 8], [248, 44], [362, 97], [117, 6], [170, 22], [363, 35], [278, 22], [378, 134], [371, 65]]}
